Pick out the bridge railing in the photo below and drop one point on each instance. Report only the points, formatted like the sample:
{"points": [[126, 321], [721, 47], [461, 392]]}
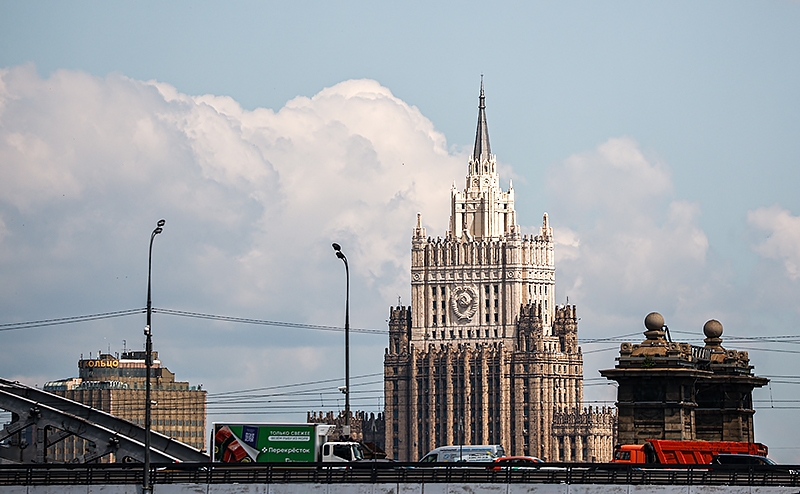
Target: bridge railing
{"points": [[393, 473]]}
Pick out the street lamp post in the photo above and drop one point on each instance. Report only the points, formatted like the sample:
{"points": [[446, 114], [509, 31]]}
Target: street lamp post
{"points": [[461, 437], [148, 363], [346, 428]]}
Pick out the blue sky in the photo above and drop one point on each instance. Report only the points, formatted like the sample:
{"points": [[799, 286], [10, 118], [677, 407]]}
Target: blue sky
{"points": [[660, 137]]}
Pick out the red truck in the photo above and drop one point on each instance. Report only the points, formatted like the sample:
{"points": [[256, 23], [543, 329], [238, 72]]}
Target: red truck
{"points": [[682, 452]]}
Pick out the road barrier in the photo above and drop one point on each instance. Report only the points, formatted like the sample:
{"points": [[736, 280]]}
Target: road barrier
{"points": [[381, 472]]}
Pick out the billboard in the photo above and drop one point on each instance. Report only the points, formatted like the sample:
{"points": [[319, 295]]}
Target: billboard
{"points": [[243, 443]]}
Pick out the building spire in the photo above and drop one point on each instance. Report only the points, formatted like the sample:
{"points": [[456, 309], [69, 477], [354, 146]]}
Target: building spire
{"points": [[482, 149]]}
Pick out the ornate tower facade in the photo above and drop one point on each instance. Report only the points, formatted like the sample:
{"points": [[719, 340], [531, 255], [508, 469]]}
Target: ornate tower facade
{"points": [[484, 355], [471, 284]]}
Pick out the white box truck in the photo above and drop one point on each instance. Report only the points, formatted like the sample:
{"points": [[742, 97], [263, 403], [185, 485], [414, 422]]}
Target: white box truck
{"points": [[262, 443]]}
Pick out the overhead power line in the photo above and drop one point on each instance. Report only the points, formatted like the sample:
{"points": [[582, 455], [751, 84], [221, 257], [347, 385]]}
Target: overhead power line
{"points": [[751, 349], [792, 338], [262, 322], [621, 337], [295, 385], [782, 339], [598, 350], [68, 320], [180, 313]]}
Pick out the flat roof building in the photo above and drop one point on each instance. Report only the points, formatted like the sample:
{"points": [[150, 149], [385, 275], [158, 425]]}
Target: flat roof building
{"points": [[116, 384]]}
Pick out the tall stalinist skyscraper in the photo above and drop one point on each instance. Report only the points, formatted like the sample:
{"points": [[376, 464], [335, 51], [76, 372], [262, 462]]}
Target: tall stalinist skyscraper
{"points": [[484, 355]]}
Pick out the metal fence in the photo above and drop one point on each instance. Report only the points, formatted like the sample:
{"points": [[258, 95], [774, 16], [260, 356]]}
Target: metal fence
{"points": [[393, 473]]}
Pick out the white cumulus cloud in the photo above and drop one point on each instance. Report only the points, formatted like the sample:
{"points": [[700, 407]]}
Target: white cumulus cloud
{"points": [[252, 199], [627, 244], [783, 237]]}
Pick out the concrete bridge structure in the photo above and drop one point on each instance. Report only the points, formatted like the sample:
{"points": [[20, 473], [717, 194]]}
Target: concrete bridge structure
{"points": [[394, 478], [401, 489]]}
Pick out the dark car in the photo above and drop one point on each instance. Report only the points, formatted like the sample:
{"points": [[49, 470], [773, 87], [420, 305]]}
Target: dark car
{"points": [[747, 461], [743, 460]]}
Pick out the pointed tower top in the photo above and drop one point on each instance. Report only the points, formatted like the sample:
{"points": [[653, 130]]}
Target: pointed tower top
{"points": [[482, 148], [546, 230], [419, 230]]}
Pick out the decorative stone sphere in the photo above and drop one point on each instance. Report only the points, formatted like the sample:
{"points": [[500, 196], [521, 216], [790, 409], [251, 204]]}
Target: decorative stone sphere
{"points": [[712, 329], [654, 322]]}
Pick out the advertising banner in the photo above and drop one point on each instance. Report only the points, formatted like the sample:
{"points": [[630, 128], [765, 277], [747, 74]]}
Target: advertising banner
{"points": [[242, 443]]}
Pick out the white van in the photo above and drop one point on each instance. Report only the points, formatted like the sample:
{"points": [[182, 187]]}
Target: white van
{"points": [[482, 452]]}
